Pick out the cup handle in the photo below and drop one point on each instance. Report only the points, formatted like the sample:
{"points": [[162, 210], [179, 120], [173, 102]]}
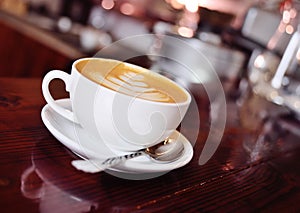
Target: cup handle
{"points": [[66, 78]]}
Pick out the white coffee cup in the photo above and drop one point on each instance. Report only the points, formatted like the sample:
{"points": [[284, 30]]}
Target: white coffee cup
{"points": [[128, 106]]}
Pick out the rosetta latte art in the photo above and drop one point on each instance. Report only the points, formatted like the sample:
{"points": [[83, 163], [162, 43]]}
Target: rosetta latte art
{"points": [[132, 80], [134, 84]]}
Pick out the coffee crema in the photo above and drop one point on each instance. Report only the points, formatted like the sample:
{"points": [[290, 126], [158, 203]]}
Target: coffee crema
{"points": [[131, 80]]}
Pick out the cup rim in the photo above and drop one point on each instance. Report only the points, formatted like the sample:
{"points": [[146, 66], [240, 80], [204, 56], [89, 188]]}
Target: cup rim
{"points": [[188, 96]]}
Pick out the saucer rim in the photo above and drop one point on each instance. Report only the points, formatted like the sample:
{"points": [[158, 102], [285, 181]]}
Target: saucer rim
{"points": [[127, 167]]}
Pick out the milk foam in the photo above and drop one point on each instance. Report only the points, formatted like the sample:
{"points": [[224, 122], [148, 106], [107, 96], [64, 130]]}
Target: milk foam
{"points": [[134, 84], [131, 80]]}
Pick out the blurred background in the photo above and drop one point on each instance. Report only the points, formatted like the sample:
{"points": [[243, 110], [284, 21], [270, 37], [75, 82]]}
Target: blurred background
{"points": [[40, 35]]}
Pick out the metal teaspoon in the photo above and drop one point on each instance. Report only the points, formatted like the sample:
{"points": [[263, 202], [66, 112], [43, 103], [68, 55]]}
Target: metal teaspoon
{"points": [[166, 151]]}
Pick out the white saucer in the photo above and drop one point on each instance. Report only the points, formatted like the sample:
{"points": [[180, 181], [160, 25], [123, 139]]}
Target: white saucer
{"points": [[86, 146]]}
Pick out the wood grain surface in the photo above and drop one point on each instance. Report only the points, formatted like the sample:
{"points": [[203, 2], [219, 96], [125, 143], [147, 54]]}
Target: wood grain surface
{"points": [[253, 170]]}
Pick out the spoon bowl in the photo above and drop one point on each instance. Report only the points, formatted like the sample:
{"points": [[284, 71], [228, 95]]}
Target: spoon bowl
{"points": [[164, 152]]}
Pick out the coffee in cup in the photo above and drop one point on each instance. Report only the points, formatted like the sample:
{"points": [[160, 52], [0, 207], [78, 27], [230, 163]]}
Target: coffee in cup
{"points": [[133, 81]]}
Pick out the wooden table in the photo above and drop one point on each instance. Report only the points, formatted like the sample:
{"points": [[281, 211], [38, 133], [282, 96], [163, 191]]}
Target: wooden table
{"points": [[255, 169]]}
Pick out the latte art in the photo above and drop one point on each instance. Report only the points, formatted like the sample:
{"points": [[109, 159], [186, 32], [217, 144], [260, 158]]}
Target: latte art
{"points": [[134, 84], [132, 80]]}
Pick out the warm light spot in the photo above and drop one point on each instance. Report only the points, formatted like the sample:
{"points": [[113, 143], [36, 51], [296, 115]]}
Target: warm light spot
{"points": [[185, 32], [289, 29], [286, 17], [108, 4], [127, 9], [260, 62], [192, 6], [183, 2], [228, 167], [176, 5], [273, 95]]}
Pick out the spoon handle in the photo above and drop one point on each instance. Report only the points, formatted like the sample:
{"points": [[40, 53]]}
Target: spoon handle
{"points": [[94, 165]]}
